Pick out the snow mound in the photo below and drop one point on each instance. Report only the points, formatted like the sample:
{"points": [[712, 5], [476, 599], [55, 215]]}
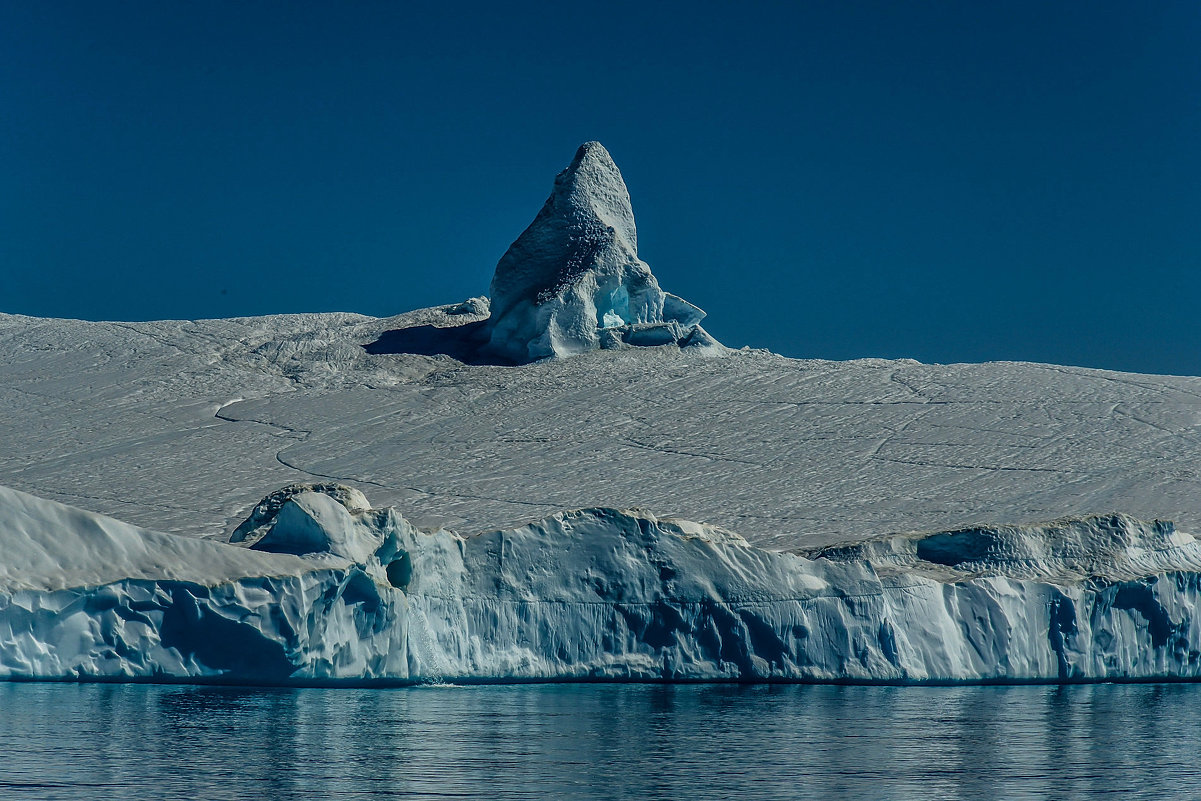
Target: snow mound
{"points": [[473, 307], [262, 520], [573, 282]]}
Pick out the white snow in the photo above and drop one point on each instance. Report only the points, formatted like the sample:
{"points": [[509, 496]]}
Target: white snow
{"points": [[127, 419], [49, 546]]}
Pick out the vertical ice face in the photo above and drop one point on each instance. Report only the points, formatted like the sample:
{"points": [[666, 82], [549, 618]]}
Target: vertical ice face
{"points": [[573, 281]]}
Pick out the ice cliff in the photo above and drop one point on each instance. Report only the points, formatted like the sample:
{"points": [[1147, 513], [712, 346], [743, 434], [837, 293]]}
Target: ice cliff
{"points": [[322, 589], [573, 282]]}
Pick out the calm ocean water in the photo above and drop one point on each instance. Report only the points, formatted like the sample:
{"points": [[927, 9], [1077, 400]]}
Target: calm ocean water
{"points": [[66, 741]]}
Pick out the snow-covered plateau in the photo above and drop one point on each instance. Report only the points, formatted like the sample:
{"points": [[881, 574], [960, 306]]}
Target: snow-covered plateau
{"points": [[511, 445]]}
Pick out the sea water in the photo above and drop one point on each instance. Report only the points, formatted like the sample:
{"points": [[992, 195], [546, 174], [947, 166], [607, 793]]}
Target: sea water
{"points": [[564, 741]]}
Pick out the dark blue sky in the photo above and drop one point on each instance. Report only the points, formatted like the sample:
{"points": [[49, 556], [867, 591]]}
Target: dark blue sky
{"points": [[950, 181]]}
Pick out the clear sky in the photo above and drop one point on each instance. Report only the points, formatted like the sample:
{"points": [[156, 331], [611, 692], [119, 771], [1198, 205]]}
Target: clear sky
{"points": [[948, 181]]}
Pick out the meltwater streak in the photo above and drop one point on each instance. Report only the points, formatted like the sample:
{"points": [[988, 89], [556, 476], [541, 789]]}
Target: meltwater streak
{"points": [[63, 741]]}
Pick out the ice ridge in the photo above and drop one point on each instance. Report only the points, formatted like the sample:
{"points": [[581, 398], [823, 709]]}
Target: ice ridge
{"points": [[327, 592]]}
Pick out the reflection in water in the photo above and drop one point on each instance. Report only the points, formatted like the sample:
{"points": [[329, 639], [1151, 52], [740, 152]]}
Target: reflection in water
{"points": [[64, 741]]}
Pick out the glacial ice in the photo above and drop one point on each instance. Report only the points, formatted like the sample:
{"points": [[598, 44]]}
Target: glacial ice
{"points": [[179, 426], [573, 282], [324, 590]]}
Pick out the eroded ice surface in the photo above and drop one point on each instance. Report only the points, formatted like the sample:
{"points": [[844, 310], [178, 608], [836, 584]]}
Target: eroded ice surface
{"points": [[360, 595], [573, 282]]}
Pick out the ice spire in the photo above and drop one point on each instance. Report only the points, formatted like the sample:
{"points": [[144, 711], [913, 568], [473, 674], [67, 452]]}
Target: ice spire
{"points": [[573, 281]]}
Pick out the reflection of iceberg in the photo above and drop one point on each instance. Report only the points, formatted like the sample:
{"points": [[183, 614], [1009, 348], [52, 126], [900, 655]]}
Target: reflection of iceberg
{"points": [[573, 281], [329, 591]]}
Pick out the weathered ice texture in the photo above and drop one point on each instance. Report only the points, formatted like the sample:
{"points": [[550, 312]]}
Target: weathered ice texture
{"points": [[573, 282], [334, 593]]}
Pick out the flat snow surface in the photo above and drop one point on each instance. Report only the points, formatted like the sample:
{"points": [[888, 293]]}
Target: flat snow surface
{"points": [[184, 426]]}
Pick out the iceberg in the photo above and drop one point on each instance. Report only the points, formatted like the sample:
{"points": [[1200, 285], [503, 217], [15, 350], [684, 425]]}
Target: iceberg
{"points": [[464, 417], [321, 589]]}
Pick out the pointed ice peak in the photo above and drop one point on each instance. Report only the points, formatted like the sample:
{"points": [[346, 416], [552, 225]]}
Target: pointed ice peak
{"points": [[592, 186], [573, 281], [593, 152]]}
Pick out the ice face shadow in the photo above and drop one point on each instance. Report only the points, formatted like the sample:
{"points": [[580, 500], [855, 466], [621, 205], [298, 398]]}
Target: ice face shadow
{"points": [[461, 342]]}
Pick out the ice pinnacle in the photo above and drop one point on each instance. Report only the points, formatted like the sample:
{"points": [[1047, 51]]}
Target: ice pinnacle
{"points": [[573, 282]]}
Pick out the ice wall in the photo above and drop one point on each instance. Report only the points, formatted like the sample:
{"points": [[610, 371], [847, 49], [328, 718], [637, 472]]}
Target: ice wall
{"points": [[620, 595], [83, 596], [333, 593]]}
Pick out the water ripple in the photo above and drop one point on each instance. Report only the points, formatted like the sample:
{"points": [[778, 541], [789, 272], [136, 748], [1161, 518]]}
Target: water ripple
{"points": [[63, 741]]}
